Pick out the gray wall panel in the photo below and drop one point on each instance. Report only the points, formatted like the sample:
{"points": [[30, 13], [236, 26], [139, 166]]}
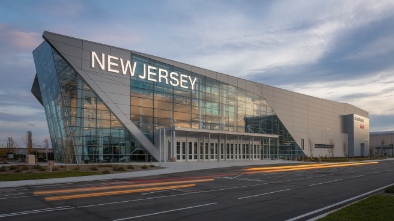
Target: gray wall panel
{"points": [[232, 80], [198, 70], [77, 62], [183, 66], [98, 48], [241, 83], [210, 74], [64, 39], [221, 77], [68, 49]]}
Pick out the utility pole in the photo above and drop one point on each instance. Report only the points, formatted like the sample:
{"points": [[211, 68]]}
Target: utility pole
{"points": [[46, 143], [29, 142]]}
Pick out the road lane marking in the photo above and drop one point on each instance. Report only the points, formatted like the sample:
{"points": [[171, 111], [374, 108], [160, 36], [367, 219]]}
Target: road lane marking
{"points": [[110, 193], [167, 211], [338, 203], [153, 192], [357, 176], [13, 197], [174, 195], [315, 184], [119, 186], [246, 179], [245, 197], [302, 167], [36, 211], [238, 176]]}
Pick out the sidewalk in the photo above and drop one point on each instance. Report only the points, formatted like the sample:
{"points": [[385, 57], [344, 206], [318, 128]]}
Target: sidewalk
{"points": [[168, 168]]}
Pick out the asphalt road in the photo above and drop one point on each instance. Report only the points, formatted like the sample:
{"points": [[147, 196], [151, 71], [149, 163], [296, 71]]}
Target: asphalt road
{"points": [[295, 192]]}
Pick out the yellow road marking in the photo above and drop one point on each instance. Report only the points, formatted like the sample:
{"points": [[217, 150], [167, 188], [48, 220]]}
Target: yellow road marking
{"points": [[303, 167], [109, 193], [119, 187]]}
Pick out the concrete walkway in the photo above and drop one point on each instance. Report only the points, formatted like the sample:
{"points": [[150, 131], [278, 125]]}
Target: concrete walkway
{"points": [[167, 169]]}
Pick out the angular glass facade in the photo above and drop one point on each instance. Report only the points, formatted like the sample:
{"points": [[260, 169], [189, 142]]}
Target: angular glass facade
{"points": [[83, 129]]}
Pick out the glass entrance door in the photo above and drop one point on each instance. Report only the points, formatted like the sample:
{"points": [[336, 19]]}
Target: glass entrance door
{"points": [[213, 151]]}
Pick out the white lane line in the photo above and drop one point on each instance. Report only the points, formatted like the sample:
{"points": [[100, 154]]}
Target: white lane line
{"points": [[13, 197], [167, 211], [36, 211], [160, 191], [12, 194], [238, 176], [357, 176], [337, 204], [245, 197], [315, 184], [245, 179], [174, 195]]}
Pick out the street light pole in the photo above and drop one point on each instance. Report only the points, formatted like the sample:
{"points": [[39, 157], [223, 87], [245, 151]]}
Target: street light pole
{"points": [[160, 148]]}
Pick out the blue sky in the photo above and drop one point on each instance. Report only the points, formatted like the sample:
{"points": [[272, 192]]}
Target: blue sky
{"points": [[337, 50]]}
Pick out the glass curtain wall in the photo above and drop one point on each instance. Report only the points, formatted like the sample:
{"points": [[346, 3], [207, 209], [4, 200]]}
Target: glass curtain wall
{"points": [[82, 128], [212, 105]]}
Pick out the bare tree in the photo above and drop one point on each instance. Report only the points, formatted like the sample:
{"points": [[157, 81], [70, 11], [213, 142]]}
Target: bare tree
{"points": [[46, 146], [331, 148], [27, 141], [371, 152], [310, 147], [345, 149]]}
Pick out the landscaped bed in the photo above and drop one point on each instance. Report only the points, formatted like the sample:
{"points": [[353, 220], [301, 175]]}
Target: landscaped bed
{"points": [[26, 172]]}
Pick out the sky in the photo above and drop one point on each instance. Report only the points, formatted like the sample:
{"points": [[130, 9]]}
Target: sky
{"points": [[337, 50]]}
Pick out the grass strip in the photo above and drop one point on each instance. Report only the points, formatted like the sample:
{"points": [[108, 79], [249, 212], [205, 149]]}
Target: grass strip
{"points": [[44, 175], [377, 207]]}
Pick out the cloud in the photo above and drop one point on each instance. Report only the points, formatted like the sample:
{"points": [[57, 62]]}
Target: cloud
{"points": [[289, 35], [16, 40], [373, 93], [382, 120], [338, 50], [379, 47]]}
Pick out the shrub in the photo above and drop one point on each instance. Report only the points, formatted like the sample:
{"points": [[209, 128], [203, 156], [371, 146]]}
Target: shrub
{"points": [[93, 168], [118, 168], [76, 168], [37, 167], [42, 169], [18, 170], [55, 168], [104, 165], [62, 166], [389, 189], [25, 168], [106, 172], [152, 165], [2, 169], [130, 167], [13, 167], [144, 167]]}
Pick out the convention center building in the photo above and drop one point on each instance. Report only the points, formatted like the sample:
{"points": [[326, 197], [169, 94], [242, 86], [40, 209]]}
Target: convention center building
{"points": [[105, 104]]}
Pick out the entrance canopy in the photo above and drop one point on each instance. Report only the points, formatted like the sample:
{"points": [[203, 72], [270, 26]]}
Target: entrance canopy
{"points": [[219, 132]]}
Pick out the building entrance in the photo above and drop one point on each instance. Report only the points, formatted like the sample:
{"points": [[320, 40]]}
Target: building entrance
{"points": [[204, 146]]}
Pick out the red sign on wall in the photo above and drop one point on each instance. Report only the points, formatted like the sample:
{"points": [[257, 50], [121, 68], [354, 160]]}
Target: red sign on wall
{"points": [[362, 126]]}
